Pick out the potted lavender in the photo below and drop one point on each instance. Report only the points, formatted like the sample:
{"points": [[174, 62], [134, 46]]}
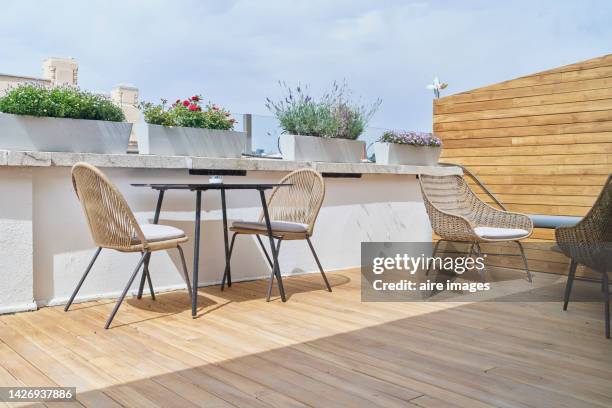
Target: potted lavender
{"points": [[415, 148], [324, 129]]}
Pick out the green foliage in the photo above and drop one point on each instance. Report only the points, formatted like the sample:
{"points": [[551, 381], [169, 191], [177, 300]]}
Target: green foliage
{"points": [[332, 116], [61, 102], [187, 113]]}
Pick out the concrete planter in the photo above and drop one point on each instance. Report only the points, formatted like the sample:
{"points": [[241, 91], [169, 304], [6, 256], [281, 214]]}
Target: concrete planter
{"points": [[182, 141], [320, 149], [394, 153], [31, 133]]}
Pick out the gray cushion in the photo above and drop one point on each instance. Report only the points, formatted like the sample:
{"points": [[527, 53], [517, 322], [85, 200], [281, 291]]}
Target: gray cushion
{"points": [[280, 226], [157, 232], [500, 233]]}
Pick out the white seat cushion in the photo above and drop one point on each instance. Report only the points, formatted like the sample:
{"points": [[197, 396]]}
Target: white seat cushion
{"points": [[280, 226], [500, 233], [157, 232]]}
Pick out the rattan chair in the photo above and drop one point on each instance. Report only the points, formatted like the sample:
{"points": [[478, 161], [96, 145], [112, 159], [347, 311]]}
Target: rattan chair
{"points": [[458, 215], [589, 243], [293, 211], [113, 225]]}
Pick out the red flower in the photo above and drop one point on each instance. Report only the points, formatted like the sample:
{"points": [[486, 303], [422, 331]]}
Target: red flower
{"points": [[193, 107], [195, 98], [185, 102], [178, 101]]}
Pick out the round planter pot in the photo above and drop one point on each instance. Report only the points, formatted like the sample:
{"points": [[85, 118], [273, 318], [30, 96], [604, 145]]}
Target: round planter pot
{"points": [[394, 153]]}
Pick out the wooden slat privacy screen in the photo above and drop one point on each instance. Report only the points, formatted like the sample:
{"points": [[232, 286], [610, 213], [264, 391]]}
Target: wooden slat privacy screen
{"points": [[542, 143]]}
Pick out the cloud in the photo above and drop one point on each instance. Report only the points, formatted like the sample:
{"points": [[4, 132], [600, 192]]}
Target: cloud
{"points": [[235, 51]]}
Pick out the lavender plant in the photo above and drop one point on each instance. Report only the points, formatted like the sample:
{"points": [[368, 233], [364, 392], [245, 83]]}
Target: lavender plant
{"points": [[331, 116], [410, 138]]}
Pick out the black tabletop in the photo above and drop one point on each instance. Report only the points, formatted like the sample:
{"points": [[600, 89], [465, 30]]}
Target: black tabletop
{"points": [[211, 186]]}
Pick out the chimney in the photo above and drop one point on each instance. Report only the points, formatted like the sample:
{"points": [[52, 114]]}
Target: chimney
{"points": [[125, 95], [61, 71]]}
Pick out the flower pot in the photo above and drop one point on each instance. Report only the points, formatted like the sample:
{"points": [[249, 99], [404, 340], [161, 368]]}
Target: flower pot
{"points": [[394, 153], [182, 141], [42, 134], [320, 149]]}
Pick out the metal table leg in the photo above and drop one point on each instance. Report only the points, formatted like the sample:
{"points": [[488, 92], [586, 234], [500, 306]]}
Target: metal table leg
{"points": [[276, 268], [228, 272], [196, 254], [145, 271]]}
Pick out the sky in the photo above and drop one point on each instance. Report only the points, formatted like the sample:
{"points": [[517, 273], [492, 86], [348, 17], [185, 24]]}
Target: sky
{"points": [[235, 52]]}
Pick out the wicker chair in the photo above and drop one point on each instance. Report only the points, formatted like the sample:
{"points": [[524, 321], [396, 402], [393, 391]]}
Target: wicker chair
{"points": [[293, 211], [113, 225], [589, 243], [458, 215]]}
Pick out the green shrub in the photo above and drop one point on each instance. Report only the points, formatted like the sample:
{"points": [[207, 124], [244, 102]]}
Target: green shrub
{"points": [[187, 113], [61, 102], [332, 116]]}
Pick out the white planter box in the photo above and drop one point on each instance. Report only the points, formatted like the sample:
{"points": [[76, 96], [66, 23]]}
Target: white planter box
{"points": [[320, 149], [394, 153], [182, 141], [31, 133]]}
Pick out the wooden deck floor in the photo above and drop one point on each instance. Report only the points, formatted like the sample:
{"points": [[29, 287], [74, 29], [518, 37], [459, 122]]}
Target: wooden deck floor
{"points": [[318, 349]]}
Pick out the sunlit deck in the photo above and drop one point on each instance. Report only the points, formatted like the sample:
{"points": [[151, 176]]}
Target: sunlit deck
{"points": [[318, 349]]}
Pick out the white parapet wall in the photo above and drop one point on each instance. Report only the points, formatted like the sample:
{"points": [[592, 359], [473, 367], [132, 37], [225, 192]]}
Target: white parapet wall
{"points": [[45, 244]]}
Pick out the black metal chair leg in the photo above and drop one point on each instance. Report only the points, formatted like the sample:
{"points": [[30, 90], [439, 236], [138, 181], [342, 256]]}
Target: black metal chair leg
{"points": [[263, 248], [185, 273], [606, 303], [273, 271], [318, 264], [524, 261], [228, 273], [433, 255], [150, 283], [146, 276], [570, 281], [125, 291], [78, 287]]}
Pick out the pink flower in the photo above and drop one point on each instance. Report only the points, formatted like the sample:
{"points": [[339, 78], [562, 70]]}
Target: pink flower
{"points": [[193, 107], [185, 102], [226, 114], [215, 108]]}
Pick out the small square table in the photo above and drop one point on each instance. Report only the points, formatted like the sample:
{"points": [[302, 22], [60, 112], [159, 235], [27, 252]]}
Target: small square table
{"points": [[222, 187]]}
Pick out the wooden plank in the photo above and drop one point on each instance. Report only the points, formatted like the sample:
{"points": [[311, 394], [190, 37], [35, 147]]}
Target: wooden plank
{"points": [[538, 100], [526, 111], [550, 170], [538, 199], [604, 160], [533, 131], [548, 180], [511, 93], [539, 150], [552, 119]]}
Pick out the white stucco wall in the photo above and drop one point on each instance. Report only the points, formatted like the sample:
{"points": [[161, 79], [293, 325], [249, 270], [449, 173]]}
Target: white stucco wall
{"points": [[16, 244], [45, 244]]}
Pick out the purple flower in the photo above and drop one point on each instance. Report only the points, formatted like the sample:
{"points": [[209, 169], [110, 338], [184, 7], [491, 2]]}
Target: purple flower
{"points": [[411, 138]]}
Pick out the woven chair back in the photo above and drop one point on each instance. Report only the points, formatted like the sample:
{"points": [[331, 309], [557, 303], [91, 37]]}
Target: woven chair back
{"points": [[301, 201], [450, 194], [590, 241], [111, 221]]}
